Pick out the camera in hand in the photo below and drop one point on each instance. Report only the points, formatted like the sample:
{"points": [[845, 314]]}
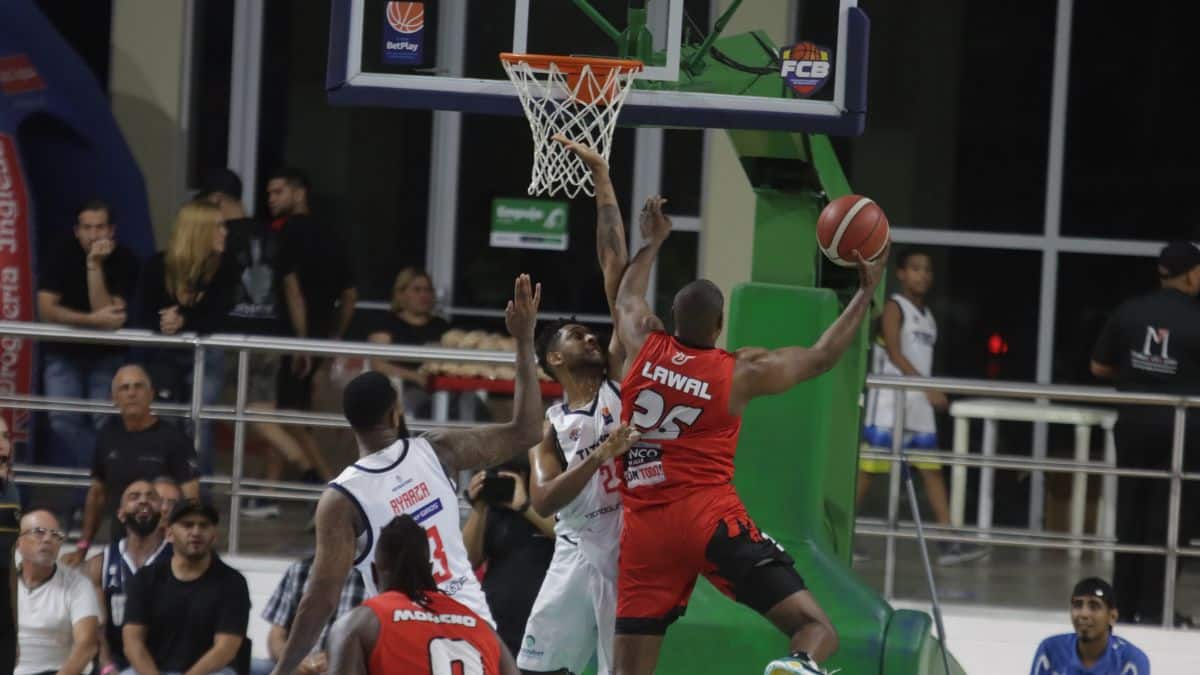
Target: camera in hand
{"points": [[497, 489]]}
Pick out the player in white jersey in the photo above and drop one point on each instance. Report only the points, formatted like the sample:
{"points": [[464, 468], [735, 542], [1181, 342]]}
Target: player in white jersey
{"points": [[574, 475], [400, 475], [908, 333]]}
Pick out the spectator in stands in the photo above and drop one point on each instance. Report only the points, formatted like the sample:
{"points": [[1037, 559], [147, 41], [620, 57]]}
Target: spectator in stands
{"points": [[281, 610], [515, 543], [10, 527], [139, 447], [1152, 343], [85, 281], [168, 493], [188, 613], [57, 613], [1092, 649], [190, 287], [410, 321], [143, 543], [318, 289], [257, 310]]}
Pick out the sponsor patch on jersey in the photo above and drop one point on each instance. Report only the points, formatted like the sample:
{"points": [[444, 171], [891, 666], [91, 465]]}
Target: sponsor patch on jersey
{"points": [[428, 511], [643, 466]]}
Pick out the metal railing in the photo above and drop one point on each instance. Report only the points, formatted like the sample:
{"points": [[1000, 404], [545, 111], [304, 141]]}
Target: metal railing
{"points": [[891, 528]]}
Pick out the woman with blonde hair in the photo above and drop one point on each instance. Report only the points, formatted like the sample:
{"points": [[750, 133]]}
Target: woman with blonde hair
{"points": [[410, 321], [190, 287]]}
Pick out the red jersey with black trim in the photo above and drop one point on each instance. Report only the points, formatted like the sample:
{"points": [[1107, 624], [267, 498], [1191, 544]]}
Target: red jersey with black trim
{"points": [[678, 398], [443, 636]]}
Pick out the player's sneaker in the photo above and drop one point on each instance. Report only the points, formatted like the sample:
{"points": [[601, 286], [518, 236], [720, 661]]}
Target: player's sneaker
{"points": [[957, 553], [798, 662]]}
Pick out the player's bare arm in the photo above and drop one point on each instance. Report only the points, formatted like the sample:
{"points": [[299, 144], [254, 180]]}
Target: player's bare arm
{"points": [[611, 246], [761, 372], [492, 444], [336, 525], [508, 665], [634, 316], [551, 488], [351, 640]]}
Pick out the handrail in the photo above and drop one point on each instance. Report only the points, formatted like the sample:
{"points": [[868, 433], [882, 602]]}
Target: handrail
{"points": [[1011, 389]]}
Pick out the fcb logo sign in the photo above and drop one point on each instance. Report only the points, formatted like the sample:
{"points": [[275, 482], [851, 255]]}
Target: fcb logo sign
{"points": [[805, 67], [404, 33]]}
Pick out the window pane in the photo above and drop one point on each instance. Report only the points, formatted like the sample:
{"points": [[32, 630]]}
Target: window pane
{"points": [[682, 168], [571, 280], [677, 266], [949, 141], [212, 60], [1089, 288], [1127, 158], [369, 166]]}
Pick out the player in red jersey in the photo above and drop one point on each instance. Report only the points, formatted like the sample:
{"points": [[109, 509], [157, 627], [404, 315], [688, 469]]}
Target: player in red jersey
{"points": [[412, 628], [683, 517]]}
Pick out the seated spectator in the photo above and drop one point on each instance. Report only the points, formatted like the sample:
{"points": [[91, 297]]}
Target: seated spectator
{"points": [[254, 247], [1092, 649], [10, 527], [410, 321], [187, 613], [281, 610], [515, 543], [137, 447], [190, 287], [143, 544], [85, 281], [57, 613], [168, 493]]}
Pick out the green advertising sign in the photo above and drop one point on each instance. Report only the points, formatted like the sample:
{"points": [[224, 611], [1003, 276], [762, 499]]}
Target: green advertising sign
{"points": [[529, 223]]}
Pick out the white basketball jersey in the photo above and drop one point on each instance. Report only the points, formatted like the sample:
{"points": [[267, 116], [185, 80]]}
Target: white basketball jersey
{"points": [[407, 478], [594, 516], [918, 335]]}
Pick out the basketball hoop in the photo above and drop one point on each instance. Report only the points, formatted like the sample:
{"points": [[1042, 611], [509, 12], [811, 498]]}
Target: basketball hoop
{"points": [[578, 97]]}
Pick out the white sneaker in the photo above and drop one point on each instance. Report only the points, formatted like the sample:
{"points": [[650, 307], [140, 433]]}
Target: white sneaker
{"points": [[259, 508], [798, 662], [957, 553]]}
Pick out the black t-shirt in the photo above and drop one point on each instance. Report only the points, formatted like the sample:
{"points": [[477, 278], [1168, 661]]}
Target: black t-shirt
{"points": [[10, 521], [518, 555], [257, 309], [182, 618], [124, 456], [317, 255], [208, 314], [405, 333], [1153, 344], [64, 272]]}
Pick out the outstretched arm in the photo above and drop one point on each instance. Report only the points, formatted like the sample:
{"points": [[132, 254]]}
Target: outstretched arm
{"points": [[336, 524], [611, 248], [492, 444], [760, 372], [635, 318]]}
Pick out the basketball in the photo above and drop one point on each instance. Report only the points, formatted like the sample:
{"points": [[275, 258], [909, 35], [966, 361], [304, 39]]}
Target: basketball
{"points": [[849, 223]]}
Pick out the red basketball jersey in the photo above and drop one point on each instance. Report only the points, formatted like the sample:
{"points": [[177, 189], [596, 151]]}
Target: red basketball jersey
{"points": [[678, 397], [444, 637]]}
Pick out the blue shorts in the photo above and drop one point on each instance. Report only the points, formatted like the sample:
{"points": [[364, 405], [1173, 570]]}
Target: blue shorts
{"points": [[880, 438]]}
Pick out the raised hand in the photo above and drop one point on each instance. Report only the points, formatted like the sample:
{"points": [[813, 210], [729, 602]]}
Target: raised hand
{"points": [[618, 442], [589, 156], [520, 316], [100, 249], [654, 224], [869, 273]]}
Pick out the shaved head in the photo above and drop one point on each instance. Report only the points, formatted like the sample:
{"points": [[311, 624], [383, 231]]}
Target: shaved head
{"points": [[699, 311]]}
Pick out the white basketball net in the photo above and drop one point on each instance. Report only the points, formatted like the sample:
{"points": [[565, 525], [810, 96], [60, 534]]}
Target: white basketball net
{"points": [[553, 106]]}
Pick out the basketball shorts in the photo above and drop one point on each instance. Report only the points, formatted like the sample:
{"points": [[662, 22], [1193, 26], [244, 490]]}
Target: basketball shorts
{"points": [[665, 548], [881, 438], [572, 618]]}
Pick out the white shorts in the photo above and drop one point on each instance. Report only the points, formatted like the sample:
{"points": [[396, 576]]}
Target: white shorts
{"points": [[573, 617]]}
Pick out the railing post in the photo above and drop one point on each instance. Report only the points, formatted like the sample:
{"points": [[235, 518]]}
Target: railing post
{"points": [[197, 395], [1169, 580], [239, 451], [889, 570]]}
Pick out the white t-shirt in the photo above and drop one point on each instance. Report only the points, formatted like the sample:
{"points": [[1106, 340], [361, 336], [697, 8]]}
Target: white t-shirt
{"points": [[46, 616]]}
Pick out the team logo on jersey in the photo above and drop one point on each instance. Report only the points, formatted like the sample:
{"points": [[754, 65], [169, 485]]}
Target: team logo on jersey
{"points": [[574, 434], [680, 358], [606, 415], [404, 33], [805, 67]]}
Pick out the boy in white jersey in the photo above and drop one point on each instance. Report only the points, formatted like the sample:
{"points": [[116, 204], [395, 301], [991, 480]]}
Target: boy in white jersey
{"points": [[574, 475], [400, 475], [907, 335]]}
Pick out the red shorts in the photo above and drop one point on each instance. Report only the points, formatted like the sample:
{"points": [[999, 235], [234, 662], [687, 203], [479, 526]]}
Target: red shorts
{"points": [[665, 548]]}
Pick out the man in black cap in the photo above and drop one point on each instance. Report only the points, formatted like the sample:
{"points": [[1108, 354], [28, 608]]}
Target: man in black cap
{"points": [[1092, 649], [1152, 344], [188, 613]]}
